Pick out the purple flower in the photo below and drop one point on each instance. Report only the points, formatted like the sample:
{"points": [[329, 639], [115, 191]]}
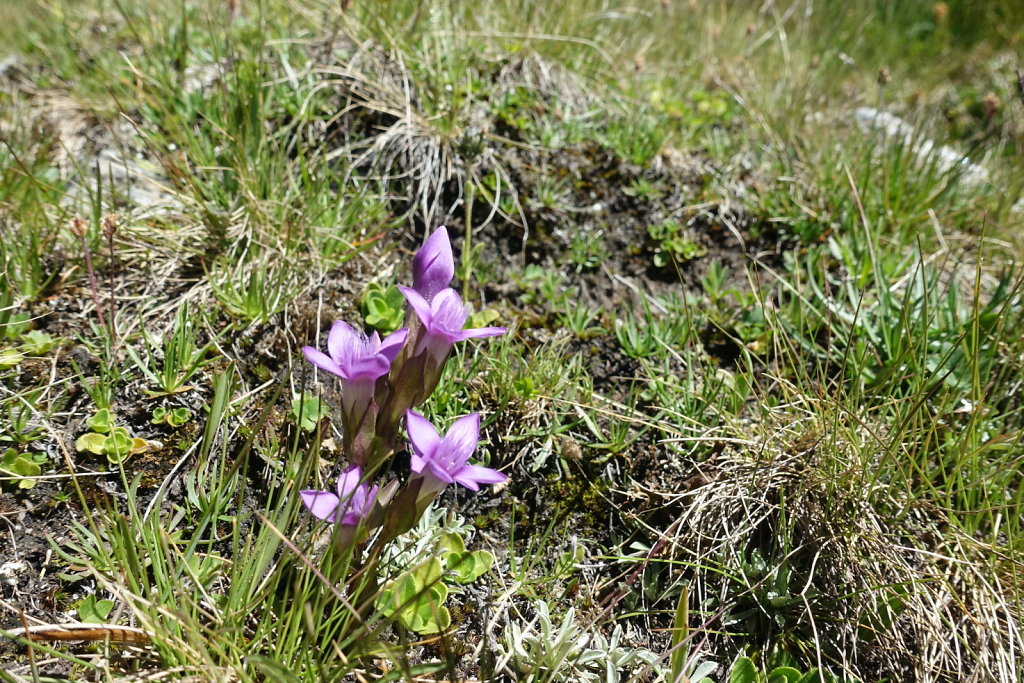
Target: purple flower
{"points": [[443, 319], [443, 460], [361, 362], [353, 356], [349, 507], [433, 266]]}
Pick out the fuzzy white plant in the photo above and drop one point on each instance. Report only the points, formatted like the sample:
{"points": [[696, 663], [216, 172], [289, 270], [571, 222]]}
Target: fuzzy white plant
{"points": [[539, 652]]}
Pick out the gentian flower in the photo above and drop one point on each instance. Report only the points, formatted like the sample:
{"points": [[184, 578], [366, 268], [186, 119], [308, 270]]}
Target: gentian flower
{"points": [[350, 506], [444, 460], [442, 320], [433, 267], [361, 362], [355, 357]]}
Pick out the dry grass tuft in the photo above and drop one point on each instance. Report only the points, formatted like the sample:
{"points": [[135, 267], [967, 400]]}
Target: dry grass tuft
{"points": [[809, 566]]}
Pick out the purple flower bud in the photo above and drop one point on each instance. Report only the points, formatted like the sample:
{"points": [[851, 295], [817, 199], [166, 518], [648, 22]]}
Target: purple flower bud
{"points": [[444, 460], [433, 266], [349, 507]]}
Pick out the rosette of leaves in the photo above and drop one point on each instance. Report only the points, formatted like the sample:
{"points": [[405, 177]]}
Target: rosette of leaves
{"points": [[23, 467], [744, 670], [116, 443], [174, 417], [416, 598], [383, 307]]}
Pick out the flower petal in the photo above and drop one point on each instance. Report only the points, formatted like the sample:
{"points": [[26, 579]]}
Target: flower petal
{"points": [[417, 463], [367, 368], [418, 304], [440, 471], [422, 435], [447, 312], [341, 339], [322, 504], [321, 360], [471, 476], [477, 332], [461, 439], [349, 482], [393, 343], [433, 267]]}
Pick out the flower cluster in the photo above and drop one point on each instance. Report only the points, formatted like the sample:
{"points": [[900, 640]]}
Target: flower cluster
{"points": [[382, 381]]}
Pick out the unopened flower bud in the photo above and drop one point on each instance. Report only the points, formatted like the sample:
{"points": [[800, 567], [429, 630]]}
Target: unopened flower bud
{"points": [[77, 226], [110, 223]]}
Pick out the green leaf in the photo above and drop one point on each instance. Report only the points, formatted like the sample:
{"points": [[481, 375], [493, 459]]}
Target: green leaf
{"points": [[179, 416], [416, 599], [21, 467], [743, 671], [93, 611], [784, 674], [36, 342], [451, 542], [9, 358], [384, 309], [427, 573], [159, 415], [307, 411], [469, 566], [91, 442], [117, 445], [429, 619], [101, 422], [482, 318]]}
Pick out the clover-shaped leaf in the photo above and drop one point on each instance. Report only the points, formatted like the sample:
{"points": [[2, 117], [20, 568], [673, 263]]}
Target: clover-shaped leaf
{"points": [[93, 611], [307, 411]]}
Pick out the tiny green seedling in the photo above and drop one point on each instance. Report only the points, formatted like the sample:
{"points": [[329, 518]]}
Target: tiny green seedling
{"points": [[172, 363], [93, 611], [22, 467], [174, 417], [307, 411], [16, 424], [672, 244], [383, 307]]}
